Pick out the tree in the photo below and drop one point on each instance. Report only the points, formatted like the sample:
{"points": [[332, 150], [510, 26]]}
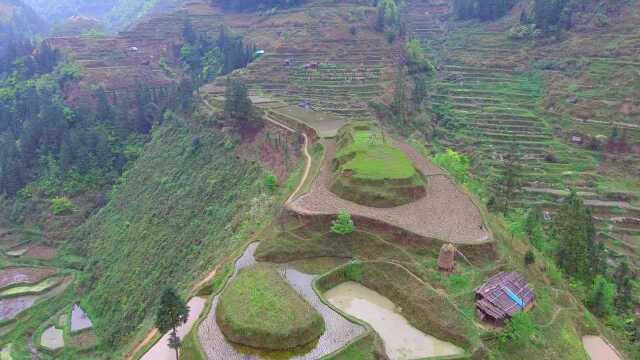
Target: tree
{"points": [[529, 257], [622, 278], [171, 313], [574, 232], [342, 225], [602, 295], [533, 228], [237, 105], [519, 329], [509, 180], [399, 104]]}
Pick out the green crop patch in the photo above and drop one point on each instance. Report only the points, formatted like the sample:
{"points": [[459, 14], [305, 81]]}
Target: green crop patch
{"points": [[261, 310], [369, 170]]}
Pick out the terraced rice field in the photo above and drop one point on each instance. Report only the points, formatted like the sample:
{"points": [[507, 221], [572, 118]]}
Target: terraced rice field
{"points": [[79, 319], [23, 275], [444, 213], [52, 338], [30, 289], [13, 306], [503, 94], [338, 331]]}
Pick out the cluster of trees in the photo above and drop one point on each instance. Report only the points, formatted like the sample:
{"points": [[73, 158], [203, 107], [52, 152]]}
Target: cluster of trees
{"points": [[388, 15], [484, 10], [240, 5], [572, 240], [238, 108], [551, 15], [206, 58], [56, 149]]}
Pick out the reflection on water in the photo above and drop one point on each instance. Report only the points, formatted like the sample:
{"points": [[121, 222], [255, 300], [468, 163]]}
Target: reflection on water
{"points": [[338, 331], [598, 349], [401, 340]]}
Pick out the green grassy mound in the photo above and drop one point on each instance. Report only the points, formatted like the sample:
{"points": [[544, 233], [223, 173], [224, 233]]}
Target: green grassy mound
{"points": [[259, 309], [370, 171]]}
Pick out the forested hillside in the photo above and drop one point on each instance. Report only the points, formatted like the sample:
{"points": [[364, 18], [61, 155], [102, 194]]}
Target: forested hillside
{"points": [[18, 23], [115, 14]]}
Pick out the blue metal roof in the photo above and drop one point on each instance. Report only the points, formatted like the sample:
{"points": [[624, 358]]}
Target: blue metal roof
{"points": [[513, 297]]}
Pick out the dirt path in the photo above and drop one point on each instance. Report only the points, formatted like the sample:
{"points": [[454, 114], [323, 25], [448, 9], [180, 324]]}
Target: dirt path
{"points": [[444, 213], [152, 334]]}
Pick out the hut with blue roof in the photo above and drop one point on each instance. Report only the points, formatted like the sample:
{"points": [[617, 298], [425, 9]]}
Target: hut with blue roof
{"points": [[503, 295]]}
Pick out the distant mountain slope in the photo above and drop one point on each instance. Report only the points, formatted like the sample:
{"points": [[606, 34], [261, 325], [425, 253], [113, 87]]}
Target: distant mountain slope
{"points": [[116, 14], [18, 18]]}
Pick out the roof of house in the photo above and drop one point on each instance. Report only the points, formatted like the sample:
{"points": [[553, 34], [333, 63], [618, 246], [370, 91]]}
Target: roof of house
{"points": [[504, 294], [447, 256]]}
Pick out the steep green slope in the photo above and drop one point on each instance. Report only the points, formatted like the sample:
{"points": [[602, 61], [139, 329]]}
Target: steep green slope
{"points": [[175, 213], [18, 21], [117, 14]]}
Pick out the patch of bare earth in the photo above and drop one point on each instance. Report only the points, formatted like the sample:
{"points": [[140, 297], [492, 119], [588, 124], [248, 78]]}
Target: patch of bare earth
{"points": [[445, 212]]}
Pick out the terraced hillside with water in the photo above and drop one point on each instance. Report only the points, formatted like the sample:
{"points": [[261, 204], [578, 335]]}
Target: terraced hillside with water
{"points": [[301, 208]]}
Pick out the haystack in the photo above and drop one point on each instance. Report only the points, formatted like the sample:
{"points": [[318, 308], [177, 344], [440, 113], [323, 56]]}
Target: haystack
{"points": [[446, 259]]}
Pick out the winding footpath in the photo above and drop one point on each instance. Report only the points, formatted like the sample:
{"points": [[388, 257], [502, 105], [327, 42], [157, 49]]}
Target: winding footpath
{"points": [[445, 212]]}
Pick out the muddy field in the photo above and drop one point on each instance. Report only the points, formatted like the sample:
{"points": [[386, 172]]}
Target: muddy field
{"points": [[23, 275]]}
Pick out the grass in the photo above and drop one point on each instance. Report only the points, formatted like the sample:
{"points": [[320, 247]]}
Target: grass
{"points": [[370, 157], [31, 289], [261, 310], [371, 171], [173, 214]]}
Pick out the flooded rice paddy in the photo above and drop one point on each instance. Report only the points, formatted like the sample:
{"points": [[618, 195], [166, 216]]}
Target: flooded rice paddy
{"points": [[79, 319], [401, 339], [52, 338], [339, 331], [598, 349]]}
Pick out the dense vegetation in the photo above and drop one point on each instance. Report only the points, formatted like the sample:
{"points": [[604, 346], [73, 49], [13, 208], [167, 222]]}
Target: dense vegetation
{"points": [[116, 14], [205, 58], [261, 310], [54, 148], [240, 5], [484, 10], [369, 169], [179, 209]]}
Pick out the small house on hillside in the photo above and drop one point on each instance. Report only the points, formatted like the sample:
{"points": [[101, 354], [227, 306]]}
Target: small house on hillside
{"points": [[503, 295], [446, 259]]}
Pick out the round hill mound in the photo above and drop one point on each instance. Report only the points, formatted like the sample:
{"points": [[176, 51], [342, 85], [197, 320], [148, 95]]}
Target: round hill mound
{"points": [[259, 309], [370, 171]]}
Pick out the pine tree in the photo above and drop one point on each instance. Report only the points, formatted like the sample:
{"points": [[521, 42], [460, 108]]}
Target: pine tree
{"points": [[574, 233], [171, 313], [622, 278], [238, 106], [509, 180], [602, 296], [343, 225]]}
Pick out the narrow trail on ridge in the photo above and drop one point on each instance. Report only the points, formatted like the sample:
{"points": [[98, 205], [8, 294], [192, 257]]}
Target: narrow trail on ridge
{"points": [[153, 333]]}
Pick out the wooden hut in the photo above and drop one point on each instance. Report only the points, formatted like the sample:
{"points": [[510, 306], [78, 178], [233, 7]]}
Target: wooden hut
{"points": [[503, 295], [446, 259]]}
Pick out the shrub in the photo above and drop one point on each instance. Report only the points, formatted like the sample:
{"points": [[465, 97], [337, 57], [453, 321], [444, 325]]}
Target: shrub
{"points": [[518, 330], [529, 257], [342, 225], [61, 206], [270, 181]]}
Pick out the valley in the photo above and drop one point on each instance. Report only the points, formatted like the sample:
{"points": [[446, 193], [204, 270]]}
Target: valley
{"points": [[324, 180]]}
